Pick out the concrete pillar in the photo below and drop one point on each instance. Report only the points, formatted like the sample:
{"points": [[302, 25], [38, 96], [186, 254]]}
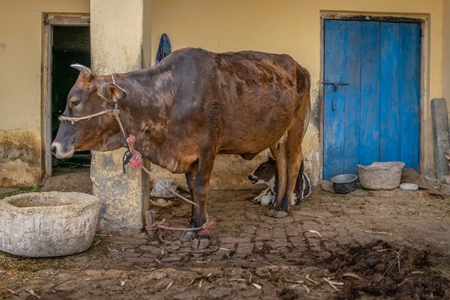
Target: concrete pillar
{"points": [[441, 135], [117, 41]]}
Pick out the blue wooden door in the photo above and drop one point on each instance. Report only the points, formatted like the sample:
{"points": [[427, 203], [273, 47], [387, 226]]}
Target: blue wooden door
{"points": [[371, 94]]}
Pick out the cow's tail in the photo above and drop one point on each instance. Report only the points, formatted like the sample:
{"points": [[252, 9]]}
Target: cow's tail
{"points": [[303, 91]]}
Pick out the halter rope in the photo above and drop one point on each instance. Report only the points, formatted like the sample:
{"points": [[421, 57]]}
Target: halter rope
{"points": [[115, 112]]}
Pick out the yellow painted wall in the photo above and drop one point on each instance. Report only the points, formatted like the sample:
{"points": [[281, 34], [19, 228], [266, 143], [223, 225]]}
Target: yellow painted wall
{"points": [[294, 27], [446, 52], [283, 26], [21, 36]]}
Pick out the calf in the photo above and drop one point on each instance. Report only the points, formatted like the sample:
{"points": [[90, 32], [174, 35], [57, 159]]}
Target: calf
{"points": [[267, 173]]}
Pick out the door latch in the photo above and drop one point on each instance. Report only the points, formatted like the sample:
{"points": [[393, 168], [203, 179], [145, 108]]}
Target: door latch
{"points": [[335, 84]]}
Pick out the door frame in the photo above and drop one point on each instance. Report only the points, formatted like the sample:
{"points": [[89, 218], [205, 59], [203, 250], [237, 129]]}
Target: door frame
{"points": [[423, 21], [50, 20]]}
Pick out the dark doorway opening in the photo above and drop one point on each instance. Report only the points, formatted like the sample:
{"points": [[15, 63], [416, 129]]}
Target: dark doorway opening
{"points": [[71, 44]]}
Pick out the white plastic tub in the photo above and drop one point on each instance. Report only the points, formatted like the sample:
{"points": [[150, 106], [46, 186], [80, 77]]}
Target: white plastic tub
{"points": [[48, 224]]}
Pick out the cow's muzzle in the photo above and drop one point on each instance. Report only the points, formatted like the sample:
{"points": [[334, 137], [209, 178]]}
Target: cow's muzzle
{"points": [[59, 152]]}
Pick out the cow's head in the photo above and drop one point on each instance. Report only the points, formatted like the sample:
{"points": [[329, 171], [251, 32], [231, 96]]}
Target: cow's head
{"points": [[91, 94]]}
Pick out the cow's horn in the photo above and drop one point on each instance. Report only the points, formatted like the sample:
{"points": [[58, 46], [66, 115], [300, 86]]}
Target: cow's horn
{"points": [[85, 70]]}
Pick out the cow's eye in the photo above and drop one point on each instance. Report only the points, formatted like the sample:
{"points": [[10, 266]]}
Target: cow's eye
{"points": [[264, 167], [74, 102]]}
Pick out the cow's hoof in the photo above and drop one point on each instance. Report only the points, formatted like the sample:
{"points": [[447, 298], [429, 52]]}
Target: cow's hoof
{"points": [[200, 243], [276, 213], [187, 235]]}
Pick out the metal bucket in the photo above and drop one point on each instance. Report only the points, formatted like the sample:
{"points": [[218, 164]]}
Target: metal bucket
{"points": [[344, 184]]}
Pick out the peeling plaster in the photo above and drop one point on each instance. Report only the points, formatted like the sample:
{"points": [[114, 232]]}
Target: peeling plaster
{"points": [[20, 159]]}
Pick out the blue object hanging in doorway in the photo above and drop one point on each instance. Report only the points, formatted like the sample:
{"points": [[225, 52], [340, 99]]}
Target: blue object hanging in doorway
{"points": [[164, 48]]}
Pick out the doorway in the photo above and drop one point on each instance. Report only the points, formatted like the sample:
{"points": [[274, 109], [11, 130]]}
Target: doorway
{"points": [[371, 94], [67, 42]]}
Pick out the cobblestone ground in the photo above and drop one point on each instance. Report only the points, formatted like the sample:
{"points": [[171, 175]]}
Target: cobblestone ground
{"points": [[258, 257]]}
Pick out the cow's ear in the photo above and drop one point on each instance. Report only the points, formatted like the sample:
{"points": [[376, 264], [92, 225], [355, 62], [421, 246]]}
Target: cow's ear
{"points": [[112, 92]]}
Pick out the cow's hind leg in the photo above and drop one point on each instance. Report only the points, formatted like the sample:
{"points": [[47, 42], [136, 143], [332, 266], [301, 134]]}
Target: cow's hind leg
{"points": [[289, 157], [294, 154], [279, 209], [289, 164], [295, 160]]}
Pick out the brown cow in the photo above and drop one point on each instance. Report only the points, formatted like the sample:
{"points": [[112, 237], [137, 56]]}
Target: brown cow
{"points": [[192, 106]]}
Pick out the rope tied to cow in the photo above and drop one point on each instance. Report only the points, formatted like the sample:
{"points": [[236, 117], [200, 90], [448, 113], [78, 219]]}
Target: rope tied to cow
{"points": [[115, 112], [136, 160], [159, 225], [159, 229]]}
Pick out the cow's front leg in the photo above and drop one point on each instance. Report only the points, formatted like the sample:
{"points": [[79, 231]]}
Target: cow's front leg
{"points": [[190, 180], [200, 196]]}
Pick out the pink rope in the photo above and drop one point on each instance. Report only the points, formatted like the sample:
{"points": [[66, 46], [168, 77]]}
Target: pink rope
{"points": [[136, 158]]}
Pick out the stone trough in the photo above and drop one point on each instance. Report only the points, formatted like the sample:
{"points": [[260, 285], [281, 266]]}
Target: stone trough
{"points": [[48, 224]]}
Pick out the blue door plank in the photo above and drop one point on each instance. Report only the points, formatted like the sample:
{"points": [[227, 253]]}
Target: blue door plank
{"points": [[409, 94], [370, 94], [389, 93], [352, 97], [334, 109]]}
